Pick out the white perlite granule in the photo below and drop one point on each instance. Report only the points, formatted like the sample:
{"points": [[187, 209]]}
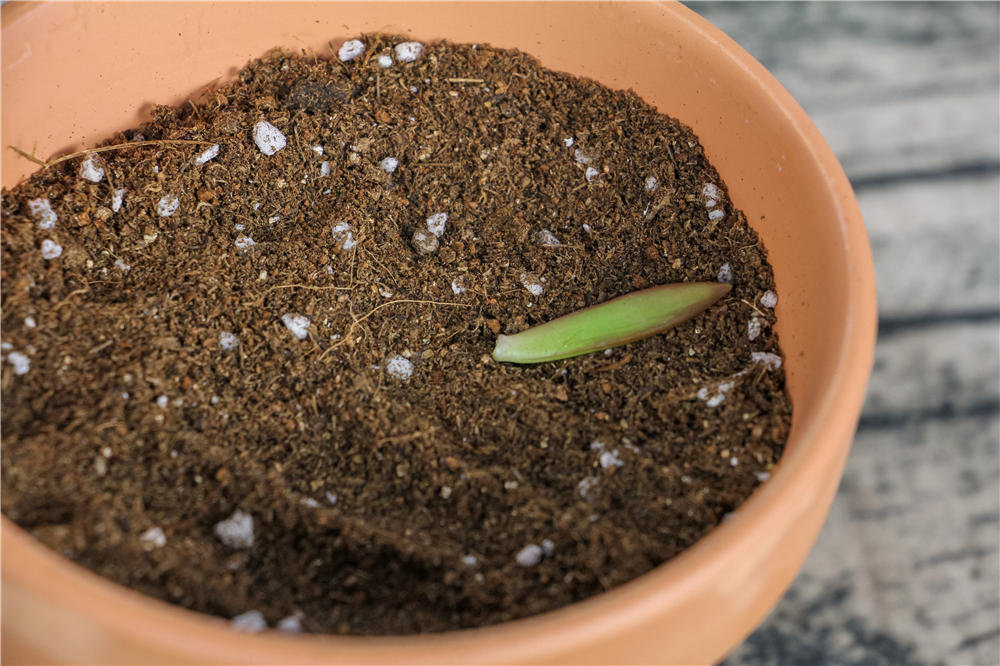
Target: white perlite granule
{"points": [[384, 61], [297, 324], [711, 191], [716, 214], [548, 546], [268, 138], [457, 286], [236, 531], [754, 327], [546, 238], [228, 341], [409, 51], [652, 184], [154, 536], [591, 174], [399, 367], [42, 211], [568, 142], [350, 50], [389, 164], [20, 362], [122, 266], [117, 198], [91, 169], [342, 234], [212, 151], [290, 625], [769, 299], [532, 284], [585, 486], [167, 205], [714, 398], [162, 402], [244, 242], [318, 150], [610, 459], [324, 168], [530, 555], [582, 157], [436, 223], [30, 322], [772, 361], [50, 249], [725, 274], [251, 622]]}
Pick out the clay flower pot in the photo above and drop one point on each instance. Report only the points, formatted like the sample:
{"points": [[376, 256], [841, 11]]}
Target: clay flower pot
{"points": [[72, 74]]}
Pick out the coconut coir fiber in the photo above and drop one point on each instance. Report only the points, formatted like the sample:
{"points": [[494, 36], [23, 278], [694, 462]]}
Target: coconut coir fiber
{"points": [[390, 477]]}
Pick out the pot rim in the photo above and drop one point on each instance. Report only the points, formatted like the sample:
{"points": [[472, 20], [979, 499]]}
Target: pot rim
{"points": [[604, 615]]}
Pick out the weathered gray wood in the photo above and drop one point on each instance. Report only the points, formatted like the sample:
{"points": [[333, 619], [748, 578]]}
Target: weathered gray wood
{"points": [[907, 95]]}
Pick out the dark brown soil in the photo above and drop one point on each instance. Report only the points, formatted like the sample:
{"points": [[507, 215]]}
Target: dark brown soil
{"points": [[381, 505]]}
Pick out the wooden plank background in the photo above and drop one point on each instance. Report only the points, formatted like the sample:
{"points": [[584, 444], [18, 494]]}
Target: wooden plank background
{"points": [[907, 94]]}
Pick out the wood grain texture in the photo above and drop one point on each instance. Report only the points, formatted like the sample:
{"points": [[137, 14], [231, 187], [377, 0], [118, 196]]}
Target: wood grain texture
{"points": [[907, 94]]}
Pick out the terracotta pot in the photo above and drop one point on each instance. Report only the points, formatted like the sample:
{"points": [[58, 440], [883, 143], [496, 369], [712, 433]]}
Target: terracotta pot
{"points": [[72, 74]]}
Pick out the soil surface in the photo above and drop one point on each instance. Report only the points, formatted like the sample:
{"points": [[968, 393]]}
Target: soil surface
{"points": [[258, 378]]}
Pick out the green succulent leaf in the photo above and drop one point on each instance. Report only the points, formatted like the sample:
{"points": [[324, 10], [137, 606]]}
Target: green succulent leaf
{"points": [[621, 320]]}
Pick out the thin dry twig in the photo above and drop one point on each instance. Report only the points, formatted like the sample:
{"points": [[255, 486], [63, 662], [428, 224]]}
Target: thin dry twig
{"points": [[354, 324], [104, 149]]}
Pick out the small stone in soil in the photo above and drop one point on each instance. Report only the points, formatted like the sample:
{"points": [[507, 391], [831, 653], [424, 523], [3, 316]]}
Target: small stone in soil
{"points": [[251, 622], [399, 367], [530, 555], [424, 242], [297, 324], [268, 138], [350, 50], [42, 211], [51, 249], [235, 531], [167, 205]]}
